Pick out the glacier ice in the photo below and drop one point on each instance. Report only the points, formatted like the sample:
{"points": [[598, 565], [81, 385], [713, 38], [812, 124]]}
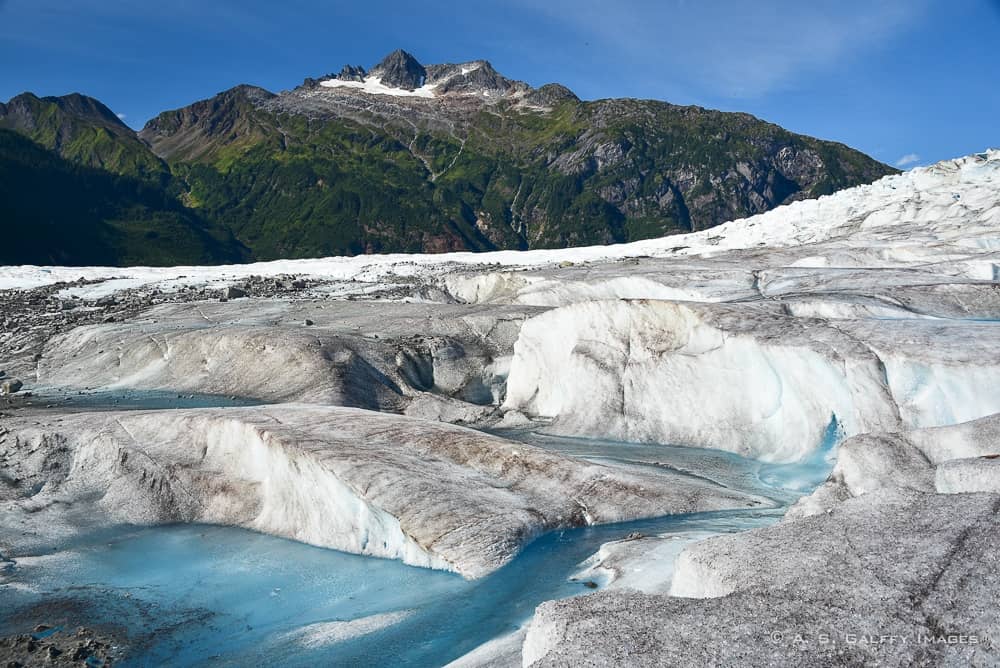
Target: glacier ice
{"points": [[353, 355], [751, 380], [430, 494], [867, 316], [891, 563], [905, 220]]}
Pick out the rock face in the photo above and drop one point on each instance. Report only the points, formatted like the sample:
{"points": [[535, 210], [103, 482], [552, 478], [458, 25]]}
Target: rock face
{"points": [[400, 70], [188, 131], [475, 78], [352, 73], [10, 385], [430, 494], [551, 95]]}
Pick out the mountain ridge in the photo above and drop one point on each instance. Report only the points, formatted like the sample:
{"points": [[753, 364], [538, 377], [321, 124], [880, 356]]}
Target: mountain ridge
{"points": [[68, 213], [427, 158], [84, 130]]}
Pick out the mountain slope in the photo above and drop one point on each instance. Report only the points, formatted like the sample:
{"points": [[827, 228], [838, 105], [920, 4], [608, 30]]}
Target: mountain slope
{"points": [[83, 130], [455, 156], [941, 219], [410, 157], [53, 211]]}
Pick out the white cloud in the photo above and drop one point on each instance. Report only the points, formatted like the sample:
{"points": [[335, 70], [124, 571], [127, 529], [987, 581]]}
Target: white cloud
{"points": [[121, 116], [733, 49], [908, 160]]}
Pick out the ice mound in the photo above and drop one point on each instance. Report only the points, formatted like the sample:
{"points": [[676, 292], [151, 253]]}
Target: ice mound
{"points": [[350, 354], [745, 378], [886, 578], [378, 484]]}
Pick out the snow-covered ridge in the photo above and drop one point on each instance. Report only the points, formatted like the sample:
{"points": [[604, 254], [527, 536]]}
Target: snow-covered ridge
{"points": [[374, 86], [372, 83], [947, 211]]}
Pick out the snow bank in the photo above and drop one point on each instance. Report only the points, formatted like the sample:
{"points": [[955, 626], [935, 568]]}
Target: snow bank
{"points": [[374, 86]]}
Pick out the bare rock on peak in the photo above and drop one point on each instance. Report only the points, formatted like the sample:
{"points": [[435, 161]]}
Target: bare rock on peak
{"points": [[400, 70]]}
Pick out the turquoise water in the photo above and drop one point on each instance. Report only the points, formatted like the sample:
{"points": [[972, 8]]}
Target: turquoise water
{"points": [[192, 594], [126, 399], [784, 483], [206, 595]]}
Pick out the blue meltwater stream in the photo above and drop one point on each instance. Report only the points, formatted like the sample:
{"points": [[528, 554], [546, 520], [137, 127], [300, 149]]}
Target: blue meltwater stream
{"points": [[208, 595]]}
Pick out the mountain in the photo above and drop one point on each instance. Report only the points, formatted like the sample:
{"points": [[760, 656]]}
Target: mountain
{"points": [[53, 211], [454, 156], [83, 130]]}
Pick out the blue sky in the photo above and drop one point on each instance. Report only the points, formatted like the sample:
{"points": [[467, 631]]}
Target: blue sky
{"points": [[907, 81]]}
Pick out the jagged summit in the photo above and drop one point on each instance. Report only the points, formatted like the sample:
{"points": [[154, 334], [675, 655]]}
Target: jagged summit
{"points": [[352, 73], [402, 75], [400, 70]]}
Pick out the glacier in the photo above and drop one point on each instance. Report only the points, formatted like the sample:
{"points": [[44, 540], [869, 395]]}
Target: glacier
{"points": [[429, 494], [650, 371], [835, 358]]}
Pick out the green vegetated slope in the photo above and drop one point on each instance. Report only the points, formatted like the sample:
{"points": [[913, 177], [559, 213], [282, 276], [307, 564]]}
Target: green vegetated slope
{"points": [[82, 129], [294, 185], [53, 211], [317, 171]]}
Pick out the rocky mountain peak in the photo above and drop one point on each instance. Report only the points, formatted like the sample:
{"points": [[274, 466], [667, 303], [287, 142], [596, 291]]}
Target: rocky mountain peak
{"points": [[400, 70], [402, 75], [551, 95], [352, 73], [474, 77], [26, 109]]}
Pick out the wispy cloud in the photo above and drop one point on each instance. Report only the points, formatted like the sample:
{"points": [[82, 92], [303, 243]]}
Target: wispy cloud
{"points": [[733, 49], [908, 160], [121, 116]]}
